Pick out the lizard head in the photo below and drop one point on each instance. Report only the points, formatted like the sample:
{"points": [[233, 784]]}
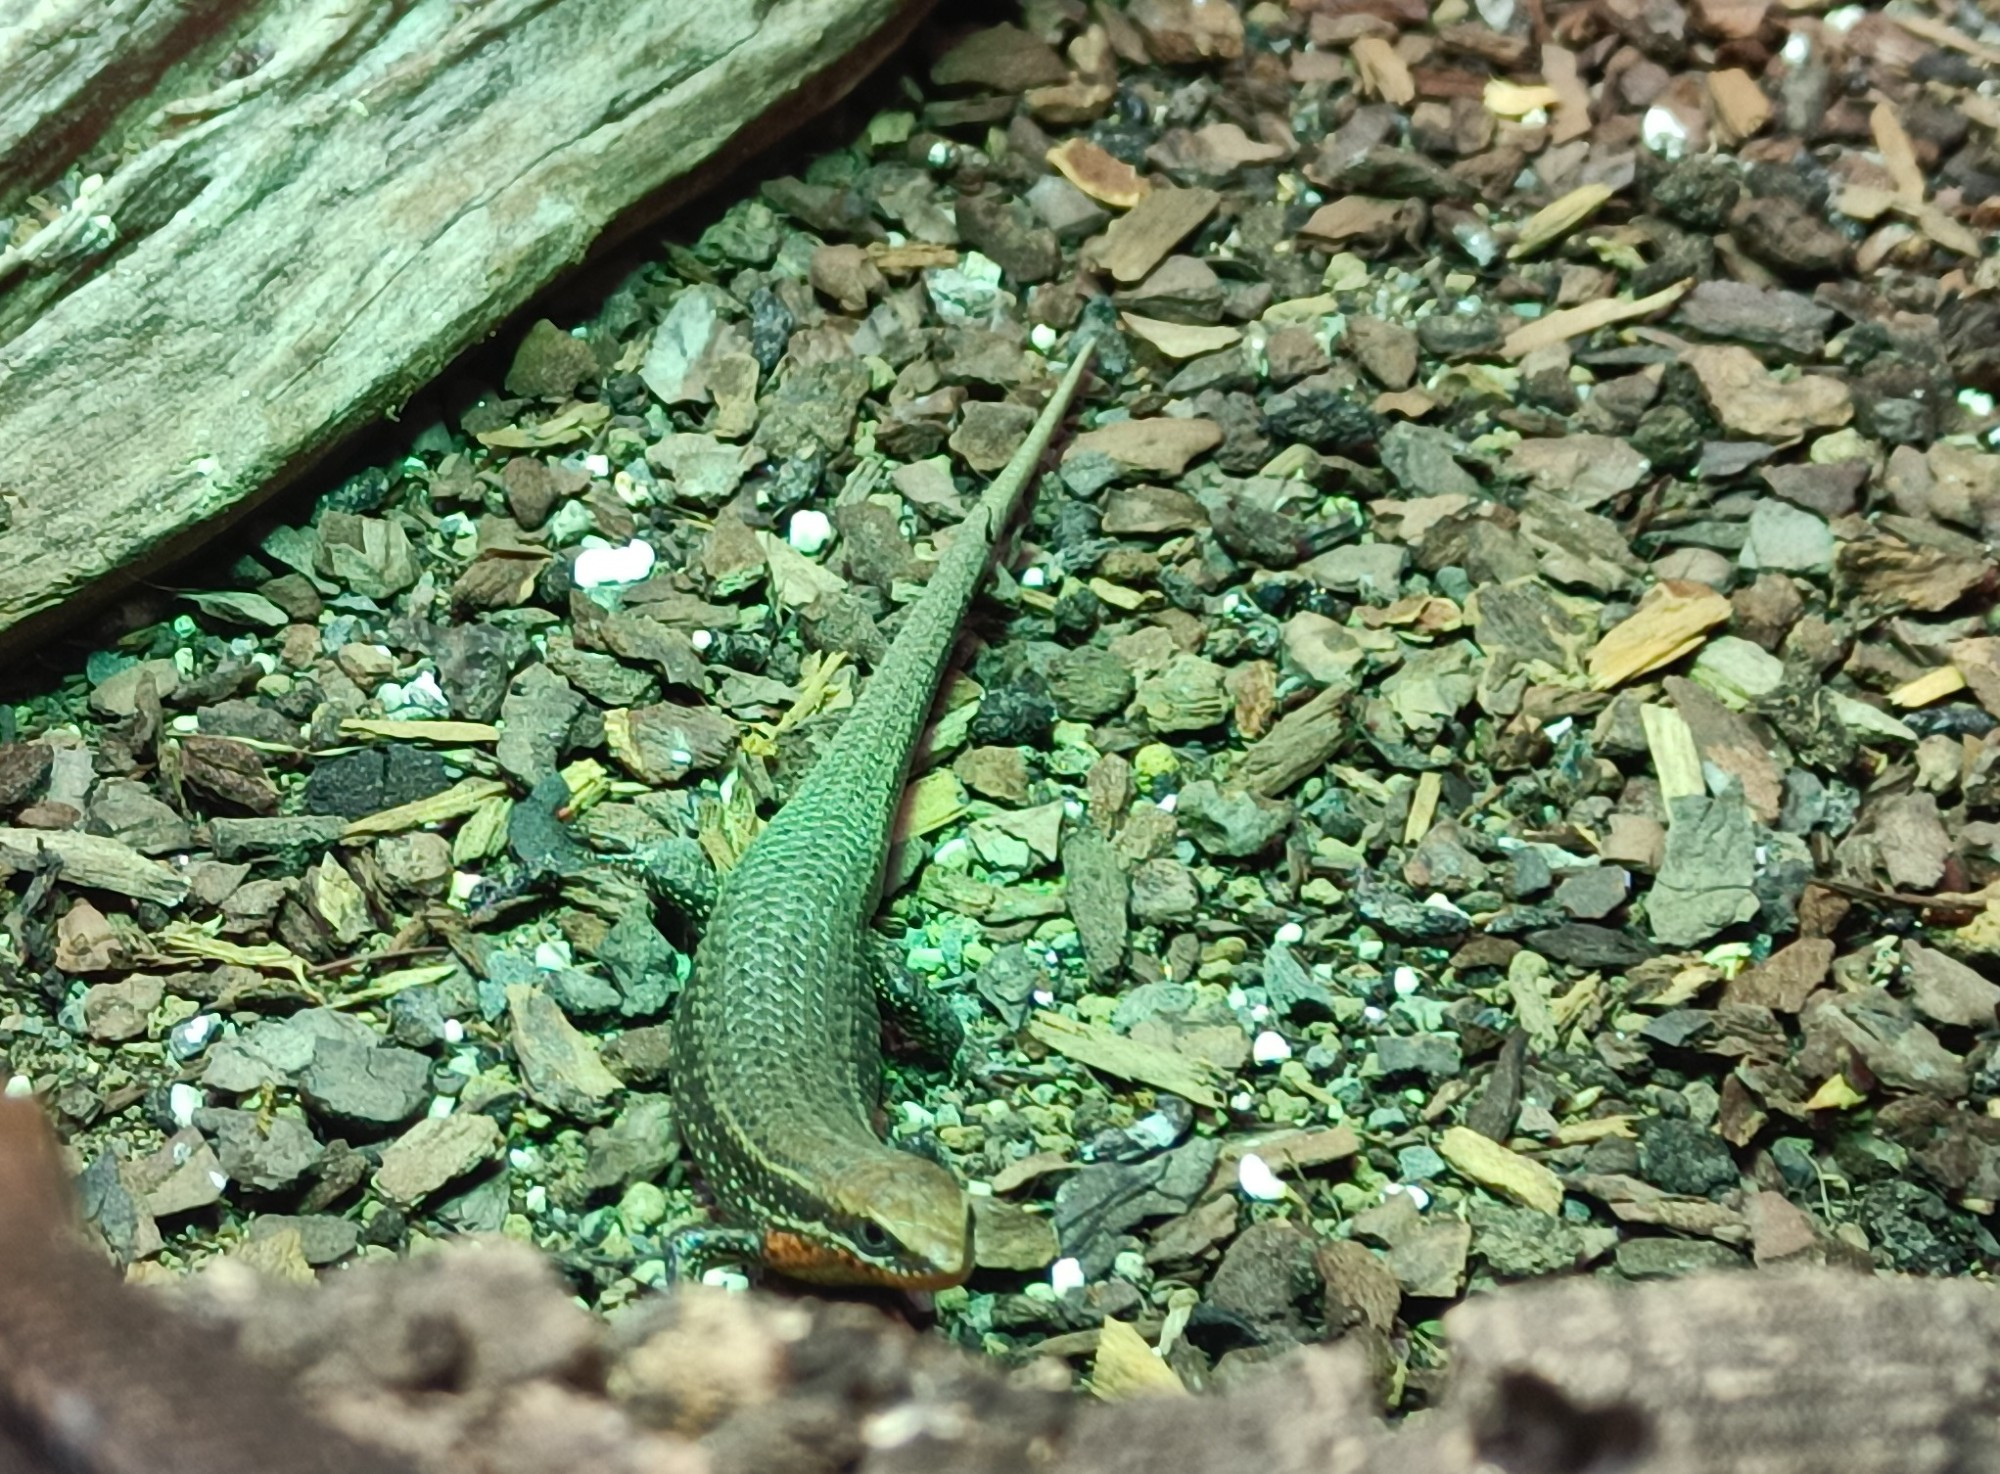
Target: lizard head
{"points": [[893, 1220]]}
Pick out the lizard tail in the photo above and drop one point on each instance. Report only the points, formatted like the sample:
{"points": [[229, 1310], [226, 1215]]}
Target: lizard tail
{"points": [[1004, 494]]}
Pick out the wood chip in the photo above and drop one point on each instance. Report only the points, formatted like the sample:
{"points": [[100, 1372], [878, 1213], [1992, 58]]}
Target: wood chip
{"points": [[1952, 234], [1741, 108], [1126, 1367], [1018, 1174], [1105, 178], [1899, 152], [400, 731], [1384, 73], [1676, 760], [1183, 32], [1118, 596], [1951, 38], [1500, 1170], [1560, 69], [910, 257], [1009, 1237], [1141, 239], [795, 579], [96, 862], [1760, 405], [1161, 447], [1506, 99], [1350, 217], [1296, 746], [1423, 806], [1114, 1054], [1179, 339], [1286, 1151], [1558, 218], [461, 798], [1932, 685], [930, 803], [1598, 1128], [1730, 744], [1670, 622], [1864, 202]]}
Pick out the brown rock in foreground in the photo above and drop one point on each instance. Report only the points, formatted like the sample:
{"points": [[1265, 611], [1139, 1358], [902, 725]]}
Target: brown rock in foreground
{"points": [[476, 1359]]}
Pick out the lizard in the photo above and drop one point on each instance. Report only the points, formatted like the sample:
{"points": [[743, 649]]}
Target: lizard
{"points": [[774, 1049]]}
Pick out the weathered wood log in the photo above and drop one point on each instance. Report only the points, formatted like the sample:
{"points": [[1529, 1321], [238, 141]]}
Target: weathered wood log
{"points": [[306, 208]]}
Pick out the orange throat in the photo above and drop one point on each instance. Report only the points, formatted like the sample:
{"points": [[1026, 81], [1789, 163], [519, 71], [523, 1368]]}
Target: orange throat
{"points": [[817, 1263]]}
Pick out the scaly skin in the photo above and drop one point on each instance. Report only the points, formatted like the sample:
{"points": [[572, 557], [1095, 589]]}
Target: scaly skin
{"points": [[775, 1055]]}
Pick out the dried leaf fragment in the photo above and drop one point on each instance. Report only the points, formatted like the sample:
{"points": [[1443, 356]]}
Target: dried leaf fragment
{"points": [[1573, 322], [1179, 339]]}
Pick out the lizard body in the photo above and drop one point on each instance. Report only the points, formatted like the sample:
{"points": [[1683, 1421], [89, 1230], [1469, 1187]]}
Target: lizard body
{"points": [[775, 1051]]}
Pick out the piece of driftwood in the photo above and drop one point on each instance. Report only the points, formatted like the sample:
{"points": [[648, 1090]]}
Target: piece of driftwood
{"points": [[306, 208], [475, 1359]]}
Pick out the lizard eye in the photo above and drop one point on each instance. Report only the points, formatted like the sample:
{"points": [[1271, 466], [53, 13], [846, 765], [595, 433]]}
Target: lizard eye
{"points": [[872, 1238]]}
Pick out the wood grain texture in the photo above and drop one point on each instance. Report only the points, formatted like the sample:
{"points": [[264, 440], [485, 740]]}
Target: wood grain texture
{"points": [[283, 256]]}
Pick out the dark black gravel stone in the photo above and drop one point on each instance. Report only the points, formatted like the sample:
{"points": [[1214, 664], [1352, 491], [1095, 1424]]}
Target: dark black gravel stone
{"points": [[1960, 720], [1583, 945], [1457, 335], [1078, 613], [1681, 1157], [771, 327], [1434, 1056], [375, 779], [363, 493], [1314, 413], [1668, 436], [1014, 716], [1913, 1229]]}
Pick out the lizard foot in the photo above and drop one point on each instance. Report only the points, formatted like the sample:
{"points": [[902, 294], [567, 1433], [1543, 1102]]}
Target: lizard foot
{"points": [[694, 1249]]}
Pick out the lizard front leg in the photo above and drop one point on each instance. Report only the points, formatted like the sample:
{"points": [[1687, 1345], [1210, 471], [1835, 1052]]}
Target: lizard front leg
{"points": [[923, 1017]]}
